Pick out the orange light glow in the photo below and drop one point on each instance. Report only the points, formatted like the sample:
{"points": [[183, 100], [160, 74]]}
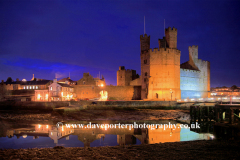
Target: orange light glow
{"points": [[104, 96], [102, 85], [38, 96]]}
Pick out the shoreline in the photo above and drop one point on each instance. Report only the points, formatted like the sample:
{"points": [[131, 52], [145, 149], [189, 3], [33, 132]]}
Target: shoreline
{"points": [[89, 115]]}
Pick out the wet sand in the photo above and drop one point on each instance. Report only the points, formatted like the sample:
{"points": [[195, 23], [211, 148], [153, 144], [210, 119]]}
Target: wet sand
{"points": [[174, 150], [87, 115]]}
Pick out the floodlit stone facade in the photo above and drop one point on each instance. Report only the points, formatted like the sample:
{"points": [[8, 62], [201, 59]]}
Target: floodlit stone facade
{"points": [[160, 67], [162, 75], [124, 77], [195, 76], [90, 88]]}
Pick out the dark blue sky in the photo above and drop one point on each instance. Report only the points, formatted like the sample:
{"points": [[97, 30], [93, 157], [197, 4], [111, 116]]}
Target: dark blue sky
{"points": [[48, 37]]}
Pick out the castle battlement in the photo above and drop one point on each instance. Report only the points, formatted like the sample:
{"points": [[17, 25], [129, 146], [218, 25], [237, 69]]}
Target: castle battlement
{"points": [[171, 29], [193, 46], [189, 70], [164, 50], [144, 36], [154, 50], [129, 70]]}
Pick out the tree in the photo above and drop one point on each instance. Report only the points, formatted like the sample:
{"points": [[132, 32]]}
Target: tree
{"points": [[234, 87], [9, 80]]}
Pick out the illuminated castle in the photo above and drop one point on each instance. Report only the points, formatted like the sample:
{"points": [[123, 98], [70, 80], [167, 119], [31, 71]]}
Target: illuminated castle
{"points": [[162, 76]]}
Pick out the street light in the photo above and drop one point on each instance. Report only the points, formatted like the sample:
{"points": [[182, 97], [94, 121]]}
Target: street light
{"points": [[171, 93], [221, 97]]}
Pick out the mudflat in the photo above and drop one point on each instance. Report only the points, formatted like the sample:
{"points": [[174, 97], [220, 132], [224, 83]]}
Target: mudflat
{"points": [[211, 149]]}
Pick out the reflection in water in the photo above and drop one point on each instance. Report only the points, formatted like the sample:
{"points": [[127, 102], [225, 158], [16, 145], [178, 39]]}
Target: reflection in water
{"points": [[123, 136]]}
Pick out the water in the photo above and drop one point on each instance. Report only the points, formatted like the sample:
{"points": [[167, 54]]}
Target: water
{"points": [[15, 136]]}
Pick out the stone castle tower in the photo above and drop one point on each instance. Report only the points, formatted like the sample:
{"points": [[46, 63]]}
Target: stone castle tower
{"points": [[124, 77], [145, 62], [195, 76], [160, 67]]}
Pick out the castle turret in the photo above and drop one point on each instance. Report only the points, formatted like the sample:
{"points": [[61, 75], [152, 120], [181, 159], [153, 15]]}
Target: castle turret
{"points": [[193, 56], [193, 52], [124, 77], [171, 37], [144, 43], [145, 61]]}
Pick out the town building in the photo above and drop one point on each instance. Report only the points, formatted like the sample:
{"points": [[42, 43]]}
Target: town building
{"points": [[67, 81], [55, 92], [224, 91], [23, 90]]}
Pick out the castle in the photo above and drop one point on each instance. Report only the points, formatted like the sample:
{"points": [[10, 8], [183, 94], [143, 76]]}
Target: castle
{"points": [[162, 75]]}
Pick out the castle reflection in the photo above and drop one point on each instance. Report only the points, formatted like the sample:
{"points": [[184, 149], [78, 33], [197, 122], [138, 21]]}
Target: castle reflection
{"points": [[125, 136]]}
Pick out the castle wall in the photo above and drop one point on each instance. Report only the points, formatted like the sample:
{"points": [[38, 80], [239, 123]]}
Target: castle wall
{"points": [[195, 83], [114, 92], [164, 74], [136, 82], [191, 84]]}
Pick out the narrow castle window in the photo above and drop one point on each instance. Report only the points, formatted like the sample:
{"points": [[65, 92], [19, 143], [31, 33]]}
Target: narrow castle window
{"points": [[145, 73], [145, 61]]}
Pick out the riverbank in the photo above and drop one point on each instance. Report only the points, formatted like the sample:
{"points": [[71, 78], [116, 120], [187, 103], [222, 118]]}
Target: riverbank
{"points": [[88, 115], [174, 150]]}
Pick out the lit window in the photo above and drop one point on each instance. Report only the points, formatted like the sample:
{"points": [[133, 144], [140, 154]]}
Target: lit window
{"points": [[36, 87], [51, 88], [27, 87], [30, 87], [33, 87], [24, 87]]}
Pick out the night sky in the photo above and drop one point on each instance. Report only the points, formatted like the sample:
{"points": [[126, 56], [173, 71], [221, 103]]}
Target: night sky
{"points": [[57, 37]]}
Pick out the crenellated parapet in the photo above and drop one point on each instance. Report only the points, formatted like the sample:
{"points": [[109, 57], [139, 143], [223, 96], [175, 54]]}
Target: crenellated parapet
{"points": [[144, 43], [171, 37], [164, 50], [125, 76], [193, 52]]}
